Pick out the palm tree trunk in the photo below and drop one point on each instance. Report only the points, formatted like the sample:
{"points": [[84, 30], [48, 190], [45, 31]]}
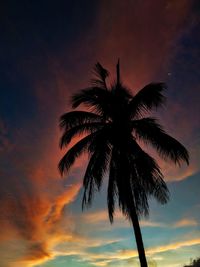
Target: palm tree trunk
{"points": [[138, 238]]}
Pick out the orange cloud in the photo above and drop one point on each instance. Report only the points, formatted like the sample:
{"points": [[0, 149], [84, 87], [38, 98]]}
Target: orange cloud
{"points": [[174, 246], [33, 198], [119, 219], [185, 223], [128, 254], [102, 259], [101, 217], [33, 193]]}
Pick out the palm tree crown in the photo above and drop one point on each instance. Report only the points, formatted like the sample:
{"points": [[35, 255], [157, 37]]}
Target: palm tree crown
{"points": [[114, 123], [112, 126]]}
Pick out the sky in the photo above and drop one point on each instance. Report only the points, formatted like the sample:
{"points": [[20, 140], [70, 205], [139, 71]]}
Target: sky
{"points": [[47, 52]]}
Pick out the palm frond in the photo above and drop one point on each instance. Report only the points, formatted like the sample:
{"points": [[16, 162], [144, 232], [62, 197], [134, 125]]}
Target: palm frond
{"points": [[121, 92], [129, 192], [101, 75], [74, 152], [95, 98], [96, 169], [149, 97], [75, 118], [148, 130], [149, 175], [79, 130], [160, 191], [137, 178], [112, 191]]}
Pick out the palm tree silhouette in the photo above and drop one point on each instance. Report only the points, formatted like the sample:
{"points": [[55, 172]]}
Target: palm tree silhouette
{"points": [[111, 129]]}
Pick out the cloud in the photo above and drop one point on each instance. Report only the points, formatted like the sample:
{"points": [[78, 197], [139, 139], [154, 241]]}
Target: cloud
{"points": [[174, 246], [147, 223], [33, 195], [101, 218], [119, 255], [185, 223]]}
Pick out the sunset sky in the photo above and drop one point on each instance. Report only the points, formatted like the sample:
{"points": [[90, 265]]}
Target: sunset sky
{"points": [[47, 52]]}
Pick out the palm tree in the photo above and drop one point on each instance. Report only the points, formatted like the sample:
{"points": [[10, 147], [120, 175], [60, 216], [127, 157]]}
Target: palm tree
{"points": [[111, 129]]}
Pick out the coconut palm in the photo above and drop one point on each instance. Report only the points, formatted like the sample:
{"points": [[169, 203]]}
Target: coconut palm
{"points": [[111, 130]]}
